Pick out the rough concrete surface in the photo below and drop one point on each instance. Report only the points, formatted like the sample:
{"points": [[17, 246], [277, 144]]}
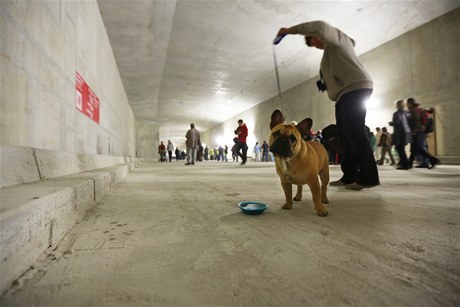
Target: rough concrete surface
{"points": [[173, 235]]}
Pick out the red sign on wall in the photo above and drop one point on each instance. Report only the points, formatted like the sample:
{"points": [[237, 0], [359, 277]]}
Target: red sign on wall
{"points": [[85, 99]]}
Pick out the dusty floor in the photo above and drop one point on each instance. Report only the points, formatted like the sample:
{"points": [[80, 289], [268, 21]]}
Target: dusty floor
{"points": [[172, 235]]}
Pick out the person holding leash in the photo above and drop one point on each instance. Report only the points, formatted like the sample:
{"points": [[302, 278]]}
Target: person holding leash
{"points": [[349, 84]]}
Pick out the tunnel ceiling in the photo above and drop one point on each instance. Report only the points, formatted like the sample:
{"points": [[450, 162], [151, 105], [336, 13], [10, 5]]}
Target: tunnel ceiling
{"points": [[205, 61]]}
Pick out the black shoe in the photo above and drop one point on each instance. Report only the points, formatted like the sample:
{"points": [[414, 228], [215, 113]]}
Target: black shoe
{"points": [[434, 163], [337, 183], [357, 187], [423, 166], [402, 167]]}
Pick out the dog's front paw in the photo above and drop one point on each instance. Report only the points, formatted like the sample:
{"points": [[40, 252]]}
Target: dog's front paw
{"points": [[287, 206], [322, 211], [297, 198]]}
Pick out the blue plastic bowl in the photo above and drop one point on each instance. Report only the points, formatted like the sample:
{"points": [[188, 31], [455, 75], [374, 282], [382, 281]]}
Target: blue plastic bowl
{"points": [[252, 207]]}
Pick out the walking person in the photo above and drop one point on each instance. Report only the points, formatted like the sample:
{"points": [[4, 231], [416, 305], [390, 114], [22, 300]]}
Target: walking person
{"points": [[240, 141], [257, 152], [265, 151], [235, 153], [192, 142], [373, 141], [199, 152], [170, 149], [162, 152], [211, 154], [226, 153], [418, 136], [177, 153], [377, 149], [221, 154], [401, 134], [349, 84], [385, 143]]}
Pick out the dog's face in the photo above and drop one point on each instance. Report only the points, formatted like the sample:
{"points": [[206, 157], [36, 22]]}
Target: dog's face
{"points": [[285, 140]]}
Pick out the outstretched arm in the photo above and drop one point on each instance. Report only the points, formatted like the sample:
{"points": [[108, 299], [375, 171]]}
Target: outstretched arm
{"points": [[318, 28]]}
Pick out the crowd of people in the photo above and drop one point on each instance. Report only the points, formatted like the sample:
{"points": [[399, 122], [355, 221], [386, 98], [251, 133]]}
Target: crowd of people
{"points": [[411, 125], [195, 151], [410, 122]]}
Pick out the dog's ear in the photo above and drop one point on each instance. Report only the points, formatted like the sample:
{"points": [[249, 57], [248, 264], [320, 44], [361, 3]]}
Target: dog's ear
{"points": [[305, 126], [277, 118]]}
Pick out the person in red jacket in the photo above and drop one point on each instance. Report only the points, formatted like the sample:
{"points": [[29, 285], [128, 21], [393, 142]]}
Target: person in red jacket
{"points": [[240, 140], [162, 152]]}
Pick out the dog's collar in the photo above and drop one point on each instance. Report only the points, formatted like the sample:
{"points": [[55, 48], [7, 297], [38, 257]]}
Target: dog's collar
{"points": [[293, 156]]}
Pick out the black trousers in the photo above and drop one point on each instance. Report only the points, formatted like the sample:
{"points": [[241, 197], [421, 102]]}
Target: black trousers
{"points": [[401, 149], [244, 150], [358, 162]]}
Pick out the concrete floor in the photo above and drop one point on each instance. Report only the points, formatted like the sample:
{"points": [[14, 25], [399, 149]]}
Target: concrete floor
{"points": [[172, 235]]}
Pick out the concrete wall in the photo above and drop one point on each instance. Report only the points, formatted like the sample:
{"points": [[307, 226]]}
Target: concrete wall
{"points": [[43, 45], [147, 136], [423, 63]]}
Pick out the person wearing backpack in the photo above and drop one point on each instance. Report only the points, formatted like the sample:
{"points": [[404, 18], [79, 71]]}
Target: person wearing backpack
{"points": [[385, 143], [417, 124], [429, 126]]}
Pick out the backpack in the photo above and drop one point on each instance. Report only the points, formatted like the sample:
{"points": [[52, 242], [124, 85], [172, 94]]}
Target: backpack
{"points": [[388, 139], [429, 126], [330, 138], [423, 116]]}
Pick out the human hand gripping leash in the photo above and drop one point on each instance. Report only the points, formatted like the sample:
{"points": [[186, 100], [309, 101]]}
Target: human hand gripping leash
{"points": [[278, 39]]}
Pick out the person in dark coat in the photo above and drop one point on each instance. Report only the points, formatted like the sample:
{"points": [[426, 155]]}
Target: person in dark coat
{"points": [[401, 133]]}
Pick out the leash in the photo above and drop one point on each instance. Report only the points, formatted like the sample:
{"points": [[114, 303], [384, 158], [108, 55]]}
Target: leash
{"points": [[277, 78]]}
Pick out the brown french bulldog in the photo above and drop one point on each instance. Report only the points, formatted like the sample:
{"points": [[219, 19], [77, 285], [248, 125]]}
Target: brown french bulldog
{"points": [[299, 162]]}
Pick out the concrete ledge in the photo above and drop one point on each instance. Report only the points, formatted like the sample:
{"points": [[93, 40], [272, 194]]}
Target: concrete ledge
{"points": [[37, 215], [18, 165], [104, 179], [25, 164], [53, 164], [450, 160]]}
